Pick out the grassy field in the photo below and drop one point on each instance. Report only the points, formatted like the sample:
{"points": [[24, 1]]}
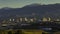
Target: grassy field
{"points": [[22, 31]]}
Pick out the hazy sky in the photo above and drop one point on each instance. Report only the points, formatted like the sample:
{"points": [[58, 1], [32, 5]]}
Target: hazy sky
{"points": [[21, 3]]}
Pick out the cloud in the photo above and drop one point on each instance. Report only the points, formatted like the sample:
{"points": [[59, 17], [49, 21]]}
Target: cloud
{"points": [[20, 3]]}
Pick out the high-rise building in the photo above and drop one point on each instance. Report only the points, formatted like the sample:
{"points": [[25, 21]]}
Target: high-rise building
{"points": [[44, 19], [49, 19], [10, 19], [13, 19], [26, 19], [32, 20]]}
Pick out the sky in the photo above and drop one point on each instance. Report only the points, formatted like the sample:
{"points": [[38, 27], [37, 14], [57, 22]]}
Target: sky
{"points": [[22, 3]]}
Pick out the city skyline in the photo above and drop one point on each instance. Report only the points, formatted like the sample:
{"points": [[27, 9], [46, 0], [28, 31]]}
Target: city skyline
{"points": [[21, 3]]}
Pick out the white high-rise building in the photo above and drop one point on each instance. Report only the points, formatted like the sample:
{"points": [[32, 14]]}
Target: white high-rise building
{"points": [[26, 19], [49, 19], [10, 19], [31, 20], [13, 19]]}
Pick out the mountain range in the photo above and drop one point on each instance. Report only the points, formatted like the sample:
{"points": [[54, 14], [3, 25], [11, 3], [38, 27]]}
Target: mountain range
{"points": [[50, 10]]}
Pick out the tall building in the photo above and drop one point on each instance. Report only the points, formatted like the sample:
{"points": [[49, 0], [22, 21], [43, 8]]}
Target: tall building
{"points": [[32, 20], [10, 19], [13, 19], [44, 19], [49, 19], [26, 19]]}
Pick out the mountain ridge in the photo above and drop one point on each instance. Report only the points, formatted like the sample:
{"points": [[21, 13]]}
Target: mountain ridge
{"points": [[51, 10]]}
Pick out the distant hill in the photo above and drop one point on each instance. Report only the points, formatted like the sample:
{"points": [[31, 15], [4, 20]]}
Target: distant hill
{"points": [[51, 10]]}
